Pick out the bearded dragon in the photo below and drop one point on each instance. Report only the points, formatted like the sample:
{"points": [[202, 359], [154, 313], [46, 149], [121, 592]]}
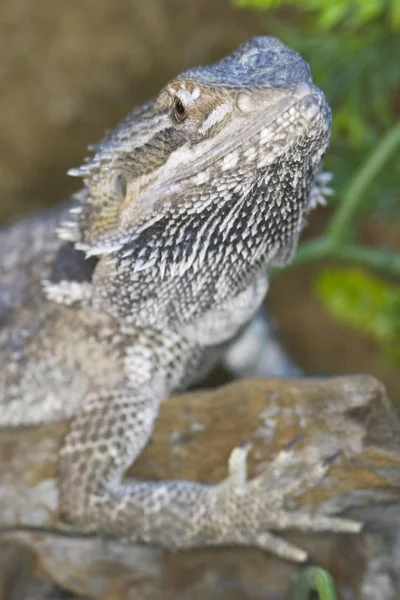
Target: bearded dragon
{"points": [[155, 272]]}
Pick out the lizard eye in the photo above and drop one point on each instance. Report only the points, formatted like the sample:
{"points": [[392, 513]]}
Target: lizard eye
{"points": [[180, 113], [118, 185]]}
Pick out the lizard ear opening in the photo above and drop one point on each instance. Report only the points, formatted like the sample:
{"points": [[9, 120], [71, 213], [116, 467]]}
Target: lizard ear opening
{"points": [[118, 186], [97, 214], [94, 223]]}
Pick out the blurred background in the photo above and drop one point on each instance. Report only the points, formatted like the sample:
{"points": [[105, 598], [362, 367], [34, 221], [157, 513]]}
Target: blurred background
{"points": [[70, 70]]}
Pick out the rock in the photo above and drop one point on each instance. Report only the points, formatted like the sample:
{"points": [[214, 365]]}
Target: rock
{"points": [[193, 438]]}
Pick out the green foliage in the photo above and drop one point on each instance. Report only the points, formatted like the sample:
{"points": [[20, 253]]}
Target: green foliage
{"points": [[364, 303], [328, 14], [313, 582]]}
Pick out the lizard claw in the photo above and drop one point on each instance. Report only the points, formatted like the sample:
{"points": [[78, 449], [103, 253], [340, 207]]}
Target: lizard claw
{"points": [[293, 442], [237, 464], [249, 510], [328, 460]]}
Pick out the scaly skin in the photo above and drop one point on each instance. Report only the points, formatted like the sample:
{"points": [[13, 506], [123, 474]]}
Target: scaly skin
{"points": [[157, 275]]}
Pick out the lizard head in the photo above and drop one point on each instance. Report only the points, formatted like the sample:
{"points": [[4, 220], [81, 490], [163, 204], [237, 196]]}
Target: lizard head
{"points": [[251, 127]]}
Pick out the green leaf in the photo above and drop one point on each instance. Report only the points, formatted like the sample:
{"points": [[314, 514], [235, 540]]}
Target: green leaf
{"points": [[313, 580], [394, 12], [333, 14], [364, 303]]}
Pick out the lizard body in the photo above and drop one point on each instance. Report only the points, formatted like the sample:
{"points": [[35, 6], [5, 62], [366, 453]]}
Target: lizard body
{"points": [[158, 271]]}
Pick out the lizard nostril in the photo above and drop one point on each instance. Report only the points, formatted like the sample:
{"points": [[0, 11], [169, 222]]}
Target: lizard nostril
{"points": [[245, 103]]}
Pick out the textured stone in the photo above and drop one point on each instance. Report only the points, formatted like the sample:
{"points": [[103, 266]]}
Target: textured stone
{"points": [[193, 438]]}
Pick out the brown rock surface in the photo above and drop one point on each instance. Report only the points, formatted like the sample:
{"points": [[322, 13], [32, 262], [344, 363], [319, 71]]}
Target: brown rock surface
{"points": [[193, 438]]}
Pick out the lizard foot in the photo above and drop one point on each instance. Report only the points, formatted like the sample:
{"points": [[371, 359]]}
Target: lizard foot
{"points": [[250, 509]]}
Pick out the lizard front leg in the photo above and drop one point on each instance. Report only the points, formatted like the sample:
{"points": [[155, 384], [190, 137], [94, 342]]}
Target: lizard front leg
{"points": [[110, 431]]}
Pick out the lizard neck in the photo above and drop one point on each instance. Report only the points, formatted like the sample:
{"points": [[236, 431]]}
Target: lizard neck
{"points": [[209, 255]]}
